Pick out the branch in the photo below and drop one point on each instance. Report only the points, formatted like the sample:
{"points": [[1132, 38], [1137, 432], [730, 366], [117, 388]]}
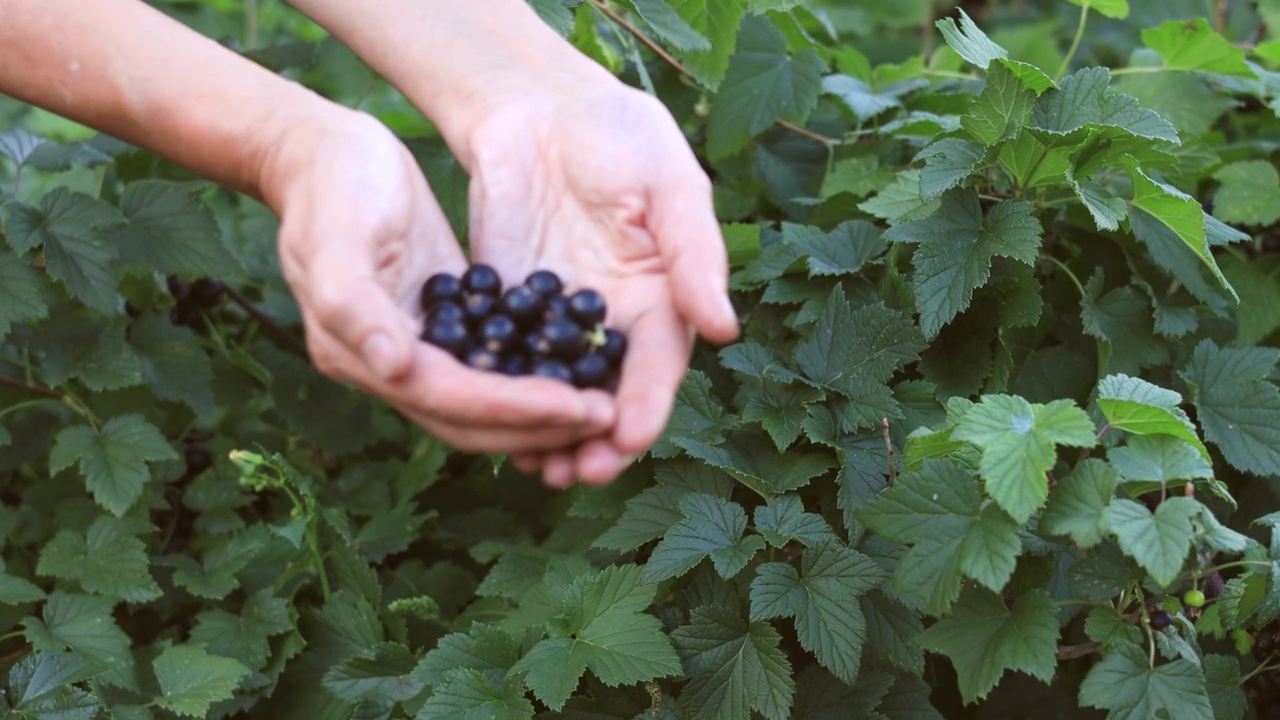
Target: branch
{"points": [[32, 389], [1070, 652], [680, 68], [272, 328]]}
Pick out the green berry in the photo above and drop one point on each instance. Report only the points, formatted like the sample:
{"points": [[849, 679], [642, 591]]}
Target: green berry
{"points": [[1193, 598]]}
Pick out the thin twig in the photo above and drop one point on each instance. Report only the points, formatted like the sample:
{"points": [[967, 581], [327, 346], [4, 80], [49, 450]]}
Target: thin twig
{"points": [[267, 323], [1070, 652], [888, 444], [667, 57], [33, 389]]}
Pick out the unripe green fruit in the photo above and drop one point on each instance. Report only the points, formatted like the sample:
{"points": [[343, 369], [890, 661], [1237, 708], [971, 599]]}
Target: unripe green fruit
{"points": [[1193, 598]]}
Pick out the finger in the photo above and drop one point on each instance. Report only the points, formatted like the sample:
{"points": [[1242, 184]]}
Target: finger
{"points": [[686, 231], [472, 439], [558, 470], [528, 463], [656, 361], [598, 462]]}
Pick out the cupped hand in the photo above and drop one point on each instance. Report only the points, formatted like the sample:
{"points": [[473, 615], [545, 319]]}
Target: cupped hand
{"points": [[597, 182], [360, 232]]}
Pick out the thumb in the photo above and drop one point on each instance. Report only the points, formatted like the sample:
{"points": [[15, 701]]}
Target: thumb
{"points": [[349, 302]]}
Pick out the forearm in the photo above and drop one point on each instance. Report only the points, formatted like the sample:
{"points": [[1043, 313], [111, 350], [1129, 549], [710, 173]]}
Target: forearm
{"points": [[128, 70], [455, 59]]}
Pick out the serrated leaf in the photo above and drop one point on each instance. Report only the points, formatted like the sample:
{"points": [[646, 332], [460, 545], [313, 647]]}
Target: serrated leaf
{"points": [[712, 527], [854, 352], [901, 201], [244, 636], [41, 686], [84, 623], [1018, 441], [172, 230], [467, 694], [112, 460], [669, 26], [172, 363], [1236, 404], [1076, 504], [16, 590], [80, 344], [956, 246], [1142, 408], [1222, 682], [781, 410], [1106, 209], [718, 21], [1004, 106], [984, 638], [1248, 193], [823, 599], [1118, 9], [1036, 158], [784, 520], [1122, 320], [1159, 458], [1191, 45], [861, 99], [939, 511], [698, 415], [1084, 99], [651, 513], [191, 680], [969, 41], [1179, 212], [108, 559], [1159, 541], [1106, 626], [761, 85], [892, 628], [734, 666], [947, 164], [484, 648], [380, 674], [18, 144], [68, 226], [845, 250], [22, 292], [1124, 683]]}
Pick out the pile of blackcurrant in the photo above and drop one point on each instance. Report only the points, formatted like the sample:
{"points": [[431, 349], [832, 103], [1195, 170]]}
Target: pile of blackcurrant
{"points": [[202, 295], [1263, 689], [528, 329]]}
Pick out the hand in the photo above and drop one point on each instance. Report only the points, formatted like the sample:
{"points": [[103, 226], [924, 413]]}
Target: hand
{"points": [[595, 181], [360, 233]]}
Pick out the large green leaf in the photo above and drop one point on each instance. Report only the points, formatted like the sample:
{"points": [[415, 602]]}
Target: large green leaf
{"points": [[711, 527], [191, 680], [1237, 405], [107, 559], [69, 228], [171, 230], [84, 623], [718, 21], [734, 666], [1159, 541], [1078, 501], [1193, 45], [113, 460], [1126, 684]]}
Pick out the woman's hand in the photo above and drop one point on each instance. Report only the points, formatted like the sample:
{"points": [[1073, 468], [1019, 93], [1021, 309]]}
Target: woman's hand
{"points": [[360, 233], [596, 181]]}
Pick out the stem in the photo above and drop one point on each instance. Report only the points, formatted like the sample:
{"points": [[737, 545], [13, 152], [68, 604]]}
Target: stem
{"points": [[1075, 42], [1228, 566], [1261, 668], [951, 74], [1070, 652], [1102, 432], [23, 406], [888, 445], [1137, 70], [273, 329], [32, 389], [1067, 270], [12, 635], [250, 24]]}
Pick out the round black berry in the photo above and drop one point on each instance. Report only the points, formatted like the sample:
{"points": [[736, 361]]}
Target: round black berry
{"points": [[1161, 619], [206, 292], [450, 311], [441, 287], [587, 308], [483, 359], [478, 307], [197, 458], [553, 369], [498, 333], [534, 346], [522, 304], [177, 288], [613, 347], [515, 365], [590, 370], [557, 308], [482, 279], [450, 336], [562, 339], [545, 283], [185, 314]]}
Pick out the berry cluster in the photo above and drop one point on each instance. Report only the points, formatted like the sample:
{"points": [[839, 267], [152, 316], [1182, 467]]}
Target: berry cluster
{"points": [[1263, 689], [530, 329], [202, 295]]}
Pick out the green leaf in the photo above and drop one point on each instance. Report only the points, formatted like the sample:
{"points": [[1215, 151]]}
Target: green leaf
{"points": [[40, 686], [856, 352], [1106, 209], [670, 26], [484, 648], [1248, 193], [901, 201], [245, 636], [1142, 408], [1222, 682], [380, 674], [698, 415], [1159, 541], [861, 99], [761, 85], [718, 21], [843, 251], [1004, 106], [1078, 501], [113, 460], [956, 248], [733, 665], [784, 520], [984, 638], [22, 292], [939, 511], [172, 363], [191, 680], [711, 527], [1084, 99], [947, 164], [756, 463], [651, 513], [1257, 281], [84, 623], [1122, 320], [1179, 212], [823, 599], [892, 628], [555, 13], [1018, 441], [606, 632], [1194, 46], [171, 230], [16, 590], [1236, 404], [80, 344], [781, 410], [467, 694], [69, 226], [1159, 458], [108, 559], [1124, 683], [1118, 9], [969, 41]]}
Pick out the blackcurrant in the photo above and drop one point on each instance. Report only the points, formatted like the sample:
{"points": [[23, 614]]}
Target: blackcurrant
{"points": [[590, 370], [587, 308], [498, 333], [206, 292], [545, 283], [613, 347], [557, 308], [522, 304], [482, 279], [553, 369], [1161, 619], [515, 365], [534, 346], [450, 336], [483, 359], [478, 307], [185, 314], [177, 288], [562, 339], [447, 311], [441, 287]]}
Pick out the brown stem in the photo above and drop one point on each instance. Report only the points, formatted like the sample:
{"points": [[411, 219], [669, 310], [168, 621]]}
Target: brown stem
{"points": [[33, 389], [888, 445], [667, 57], [1070, 652], [267, 323]]}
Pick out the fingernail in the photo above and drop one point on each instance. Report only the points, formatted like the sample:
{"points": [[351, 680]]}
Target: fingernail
{"points": [[379, 353], [727, 307]]}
